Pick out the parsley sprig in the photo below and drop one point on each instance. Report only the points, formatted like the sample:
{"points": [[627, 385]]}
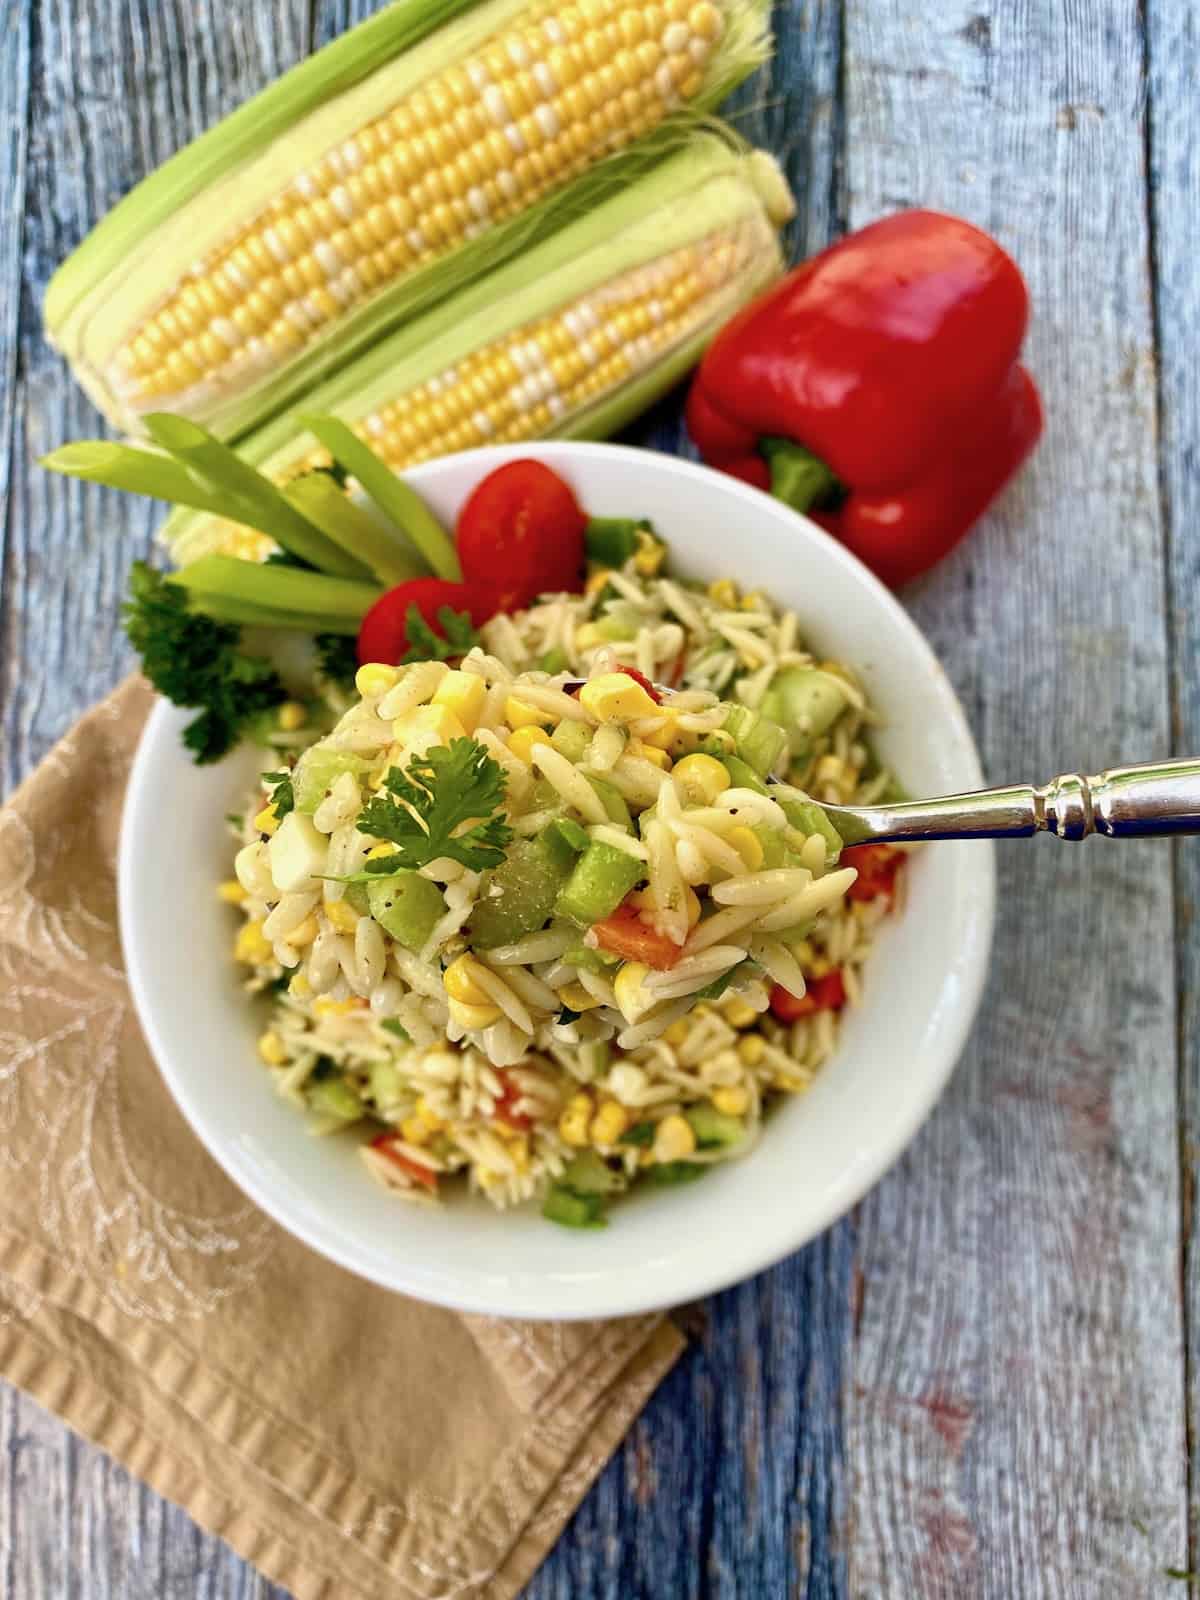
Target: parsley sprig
{"points": [[283, 796], [446, 803], [425, 645], [195, 661]]}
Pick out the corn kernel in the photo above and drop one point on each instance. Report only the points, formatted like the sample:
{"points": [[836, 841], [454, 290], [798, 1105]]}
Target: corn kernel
{"points": [[342, 915], [588, 636], [821, 967], [324, 1007], [300, 987], [267, 820], [575, 1121], [463, 694], [292, 715], [674, 1139], [518, 715], [731, 1101], [304, 934], [460, 981], [724, 592], [650, 554], [748, 845], [751, 1048], [428, 1116], [649, 752], [578, 998], [272, 1049], [738, 1014], [700, 779], [518, 1149], [471, 1017], [609, 1123], [677, 1033], [251, 946], [415, 1130], [663, 738], [629, 990], [231, 892], [615, 696], [375, 678], [522, 741], [437, 720], [597, 580]]}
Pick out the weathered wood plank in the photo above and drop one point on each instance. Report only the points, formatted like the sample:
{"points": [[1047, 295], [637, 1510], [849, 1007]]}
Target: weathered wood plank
{"points": [[1174, 40], [105, 92], [1015, 1424]]}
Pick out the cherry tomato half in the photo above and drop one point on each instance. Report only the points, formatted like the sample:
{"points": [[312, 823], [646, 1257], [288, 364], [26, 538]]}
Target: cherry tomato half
{"points": [[625, 934], [521, 534], [877, 866], [824, 994], [384, 632]]}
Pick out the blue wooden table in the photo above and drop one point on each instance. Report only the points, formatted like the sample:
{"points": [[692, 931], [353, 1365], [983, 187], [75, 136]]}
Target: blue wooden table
{"points": [[983, 1383]]}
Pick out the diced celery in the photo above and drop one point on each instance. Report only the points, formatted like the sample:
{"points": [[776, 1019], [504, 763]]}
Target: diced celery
{"points": [[386, 1084], [333, 1097], [574, 1210], [592, 960], [571, 739], [742, 775], [519, 895], [806, 702], [571, 833], [760, 741], [612, 800], [407, 906], [589, 1173], [712, 1128], [318, 769], [806, 816], [670, 1173], [554, 661], [774, 846], [602, 878]]}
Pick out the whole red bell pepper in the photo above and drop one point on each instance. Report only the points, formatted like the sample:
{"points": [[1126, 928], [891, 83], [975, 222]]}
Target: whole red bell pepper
{"points": [[878, 388]]}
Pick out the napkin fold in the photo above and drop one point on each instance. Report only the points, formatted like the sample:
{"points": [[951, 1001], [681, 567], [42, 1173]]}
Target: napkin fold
{"points": [[345, 1440]]}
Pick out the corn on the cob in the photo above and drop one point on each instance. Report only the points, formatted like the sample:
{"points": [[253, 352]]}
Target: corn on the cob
{"points": [[393, 193], [570, 341]]}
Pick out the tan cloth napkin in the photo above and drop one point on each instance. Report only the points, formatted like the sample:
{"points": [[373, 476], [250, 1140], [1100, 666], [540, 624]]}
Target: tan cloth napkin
{"points": [[345, 1440]]}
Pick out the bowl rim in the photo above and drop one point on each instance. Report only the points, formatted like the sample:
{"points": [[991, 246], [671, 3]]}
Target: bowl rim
{"points": [[838, 1198]]}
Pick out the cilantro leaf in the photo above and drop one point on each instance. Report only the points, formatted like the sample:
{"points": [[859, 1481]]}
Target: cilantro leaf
{"points": [[337, 654], [447, 803], [195, 661], [283, 796], [425, 645]]}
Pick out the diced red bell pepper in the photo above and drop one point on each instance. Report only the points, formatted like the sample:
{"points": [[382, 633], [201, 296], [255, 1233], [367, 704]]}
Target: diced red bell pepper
{"points": [[386, 1145], [510, 1093], [624, 934], [640, 677], [876, 865], [880, 384], [823, 994]]}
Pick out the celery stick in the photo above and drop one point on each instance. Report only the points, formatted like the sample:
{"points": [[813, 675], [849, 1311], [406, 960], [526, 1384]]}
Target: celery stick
{"points": [[253, 499], [135, 470], [277, 587], [398, 502], [221, 609], [384, 549]]}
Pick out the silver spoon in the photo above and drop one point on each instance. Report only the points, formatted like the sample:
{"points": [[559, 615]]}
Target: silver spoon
{"points": [[1156, 800]]}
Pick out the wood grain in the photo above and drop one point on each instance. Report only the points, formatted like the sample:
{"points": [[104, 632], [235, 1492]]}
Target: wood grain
{"points": [[979, 1389], [1174, 147], [1015, 1426]]}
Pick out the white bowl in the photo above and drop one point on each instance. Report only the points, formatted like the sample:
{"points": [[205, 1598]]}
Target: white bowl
{"points": [[818, 1155]]}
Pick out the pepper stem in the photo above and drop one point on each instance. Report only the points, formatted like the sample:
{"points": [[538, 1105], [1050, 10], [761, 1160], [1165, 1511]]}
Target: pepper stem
{"points": [[798, 478]]}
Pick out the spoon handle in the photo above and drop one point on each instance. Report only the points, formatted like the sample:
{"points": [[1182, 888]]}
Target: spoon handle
{"points": [[1155, 800]]}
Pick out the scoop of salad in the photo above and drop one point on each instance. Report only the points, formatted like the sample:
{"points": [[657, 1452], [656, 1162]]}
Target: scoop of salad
{"points": [[572, 860]]}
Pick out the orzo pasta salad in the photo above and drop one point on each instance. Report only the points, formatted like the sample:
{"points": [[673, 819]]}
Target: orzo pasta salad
{"points": [[563, 911]]}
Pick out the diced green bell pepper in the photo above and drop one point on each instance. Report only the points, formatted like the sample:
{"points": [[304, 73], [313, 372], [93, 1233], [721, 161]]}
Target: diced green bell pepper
{"points": [[603, 876], [519, 895], [407, 906]]}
